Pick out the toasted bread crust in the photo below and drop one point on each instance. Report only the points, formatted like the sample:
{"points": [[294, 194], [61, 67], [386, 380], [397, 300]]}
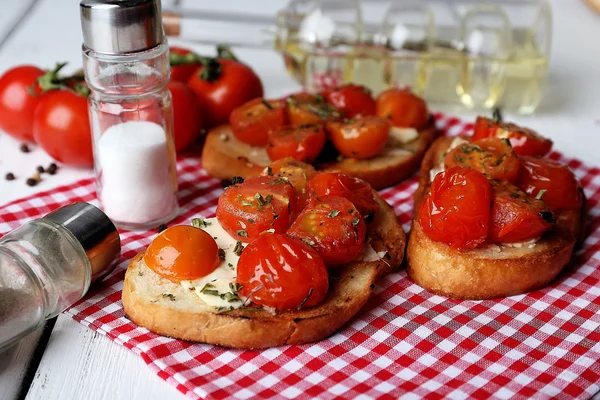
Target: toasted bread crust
{"points": [[224, 157], [490, 270], [185, 318]]}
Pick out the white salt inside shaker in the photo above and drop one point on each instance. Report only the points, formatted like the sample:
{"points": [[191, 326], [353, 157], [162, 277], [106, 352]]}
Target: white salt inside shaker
{"points": [[134, 164]]}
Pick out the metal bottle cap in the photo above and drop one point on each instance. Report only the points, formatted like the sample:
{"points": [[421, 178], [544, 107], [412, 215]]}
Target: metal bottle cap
{"points": [[95, 232], [121, 26]]}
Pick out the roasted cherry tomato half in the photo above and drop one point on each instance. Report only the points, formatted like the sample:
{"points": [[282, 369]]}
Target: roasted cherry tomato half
{"points": [[359, 138], [337, 184], [297, 174], [280, 272], [402, 108], [301, 142], [491, 156], [306, 109], [17, 104], [252, 122], [550, 181], [333, 227], [456, 211], [516, 216], [258, 205], [352, 100], [524, 141], [182, 253]]}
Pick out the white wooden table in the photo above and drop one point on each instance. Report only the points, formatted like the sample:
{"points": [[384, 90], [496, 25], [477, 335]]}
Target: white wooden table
{"points": [[78, 363]]}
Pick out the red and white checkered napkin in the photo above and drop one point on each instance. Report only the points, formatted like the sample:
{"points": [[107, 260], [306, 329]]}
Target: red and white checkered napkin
{"points": [[406, 341]]}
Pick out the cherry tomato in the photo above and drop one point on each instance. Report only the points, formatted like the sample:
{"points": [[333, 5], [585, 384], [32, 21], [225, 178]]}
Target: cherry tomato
{"points": [[182, 253], [352, 100], [524, 141], [187, 115], [222, 89], [301, 142], [297, 174], [256, 206], [359, 138], [17, 105], [62, 128], [491, 156], [307, 109], [551, 181], [253, 121], [337, 184], [283, 273], [456, 211], [182, 70], [333, 227], [515, 216], [402, 108]]}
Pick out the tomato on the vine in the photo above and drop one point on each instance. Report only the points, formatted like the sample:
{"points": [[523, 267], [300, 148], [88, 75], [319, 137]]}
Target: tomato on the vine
{"points": [[17, 103], [280, 272], [187, 115], [359, 138], [183, 63], [524, 141], [333, 227], [456, 211], [301, 142]]}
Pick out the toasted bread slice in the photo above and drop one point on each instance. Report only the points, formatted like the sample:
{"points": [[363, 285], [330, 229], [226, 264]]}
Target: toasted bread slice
{"points": [[224, 157], [184, 316], [487, 271]]}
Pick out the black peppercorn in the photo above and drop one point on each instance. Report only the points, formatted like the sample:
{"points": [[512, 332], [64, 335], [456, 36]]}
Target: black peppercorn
{"points": [[52, 169], [40, 169], [24, 148], [10, 176], [31, 182]]}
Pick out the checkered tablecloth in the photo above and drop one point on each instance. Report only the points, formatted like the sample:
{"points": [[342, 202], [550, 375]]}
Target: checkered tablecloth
{"points": [[406, 342]]}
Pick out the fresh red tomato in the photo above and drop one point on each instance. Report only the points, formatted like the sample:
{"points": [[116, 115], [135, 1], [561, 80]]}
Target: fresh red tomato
{"points": [[402, 108], [301, 142], [280, 272], [491, 156], [62, 128], [550, 181], [256, 206], [187, 115], [297, 174], [456, 211], [524, 141], [17, 105], [307, 109], [337, 184], [182, 253], [359, 138], [352, 100], [182, 67], [253, 121], [333, 227], [515, 216], [222, 86]]}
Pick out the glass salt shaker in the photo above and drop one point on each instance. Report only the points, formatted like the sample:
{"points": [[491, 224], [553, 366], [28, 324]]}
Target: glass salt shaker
{"points": [[48, 264], [126, 64]]}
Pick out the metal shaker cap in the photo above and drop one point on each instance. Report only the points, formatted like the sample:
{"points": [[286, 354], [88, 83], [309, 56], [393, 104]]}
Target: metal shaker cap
{"points": [[121, 26], [95, 232]]}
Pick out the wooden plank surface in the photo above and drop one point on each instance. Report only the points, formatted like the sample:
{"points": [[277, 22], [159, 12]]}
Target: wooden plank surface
{"points": [[80, 364]]}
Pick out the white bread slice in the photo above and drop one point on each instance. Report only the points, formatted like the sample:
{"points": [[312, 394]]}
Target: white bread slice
{"points": [[224, 157], [487, 271], [187, 318]]}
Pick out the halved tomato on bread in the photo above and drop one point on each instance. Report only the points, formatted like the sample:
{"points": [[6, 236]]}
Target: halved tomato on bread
{"points": [[306, 109], [301, 142], [258, 205], [524, 141], [516, 216], [491, 156], [333, 227], [297, 174], [550, 181], [352, 100], [252, 122], [337, 184], [456, 211], [359, 138], [182, 253], [280, 272], [402, 108]]}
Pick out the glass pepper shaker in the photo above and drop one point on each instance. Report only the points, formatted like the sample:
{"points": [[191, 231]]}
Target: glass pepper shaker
{"points": [[48, 264], [126, 65]]}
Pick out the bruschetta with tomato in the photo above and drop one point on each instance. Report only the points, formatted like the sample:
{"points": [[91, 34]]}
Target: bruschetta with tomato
{"points": [[493, 216], [381, 141], [290, 257]]}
